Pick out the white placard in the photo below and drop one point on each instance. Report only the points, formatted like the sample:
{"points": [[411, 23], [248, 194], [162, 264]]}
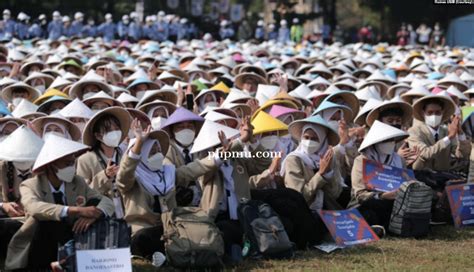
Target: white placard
{"points": [[104, 260]]}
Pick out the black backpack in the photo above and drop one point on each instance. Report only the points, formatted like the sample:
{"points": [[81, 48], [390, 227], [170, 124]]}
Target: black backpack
{"points": [[411, 213], [264, 233]]}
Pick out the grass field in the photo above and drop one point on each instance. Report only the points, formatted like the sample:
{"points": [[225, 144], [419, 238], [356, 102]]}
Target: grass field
{"points": [[446, 249]]}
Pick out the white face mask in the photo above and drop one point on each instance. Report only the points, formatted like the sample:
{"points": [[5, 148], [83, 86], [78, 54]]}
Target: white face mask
{"points": [[158, 122], [211, 104], [140, 95], [386, 148], [87, 95], [17, 100], [185, 136], [66, 174], [23, 166], [433, 120], [59, 134], [334, 124], [81, 125], [155, 162], [269, 142], [40, 88], [310, 146], [112, 138]]}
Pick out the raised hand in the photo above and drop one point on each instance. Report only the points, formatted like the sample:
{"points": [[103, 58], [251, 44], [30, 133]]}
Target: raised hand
{"points": [[246, 130], [326, 161]]}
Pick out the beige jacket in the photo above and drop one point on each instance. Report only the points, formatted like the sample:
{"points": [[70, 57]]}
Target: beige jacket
{"points": [[303, 179], [90, 168], [38, 201], [138, 202], [435, 155], [212, 183]]}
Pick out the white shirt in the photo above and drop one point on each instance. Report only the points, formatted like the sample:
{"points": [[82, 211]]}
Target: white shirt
{"points": [[180, 148]]}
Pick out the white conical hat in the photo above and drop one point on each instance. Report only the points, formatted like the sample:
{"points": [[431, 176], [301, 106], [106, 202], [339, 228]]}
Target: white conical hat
{"points": [[265, 92], [24, 108], [13, 147], [452, 90], [140, 73], [217, 116], [380, 132], [368, 106], [367, 93], [453, 78], [58, 82], [55, 148], [236, 95], [167, 75], [208, 137], [127, 98], [302, 91], [319, 81], [466, 77], [76, 109]]}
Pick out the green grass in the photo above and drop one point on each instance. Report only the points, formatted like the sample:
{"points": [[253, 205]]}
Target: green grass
{"points": [[446, 249]]}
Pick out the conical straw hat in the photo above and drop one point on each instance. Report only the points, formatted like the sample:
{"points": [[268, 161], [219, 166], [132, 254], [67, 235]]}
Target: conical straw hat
{"points": [[264, 122], [55, 148], [208, 137], [13, 147], [380, 132]]}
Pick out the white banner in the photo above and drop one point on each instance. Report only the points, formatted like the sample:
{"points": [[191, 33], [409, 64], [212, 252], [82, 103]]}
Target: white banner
{"points": [[104, 260]]}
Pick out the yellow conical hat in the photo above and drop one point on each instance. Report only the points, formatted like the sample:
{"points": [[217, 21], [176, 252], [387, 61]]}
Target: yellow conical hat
{"points": [[48, 94], [264, 122], [221, 87]]}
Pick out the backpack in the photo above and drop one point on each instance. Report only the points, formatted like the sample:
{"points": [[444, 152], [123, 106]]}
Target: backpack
{"points": [[411, 211], [192, 239], [264, 231], [104, 234]]}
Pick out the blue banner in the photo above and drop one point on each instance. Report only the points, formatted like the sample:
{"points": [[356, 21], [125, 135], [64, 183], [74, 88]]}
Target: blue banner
{"points": [[384, 178], [348, 227], [461, 200]]}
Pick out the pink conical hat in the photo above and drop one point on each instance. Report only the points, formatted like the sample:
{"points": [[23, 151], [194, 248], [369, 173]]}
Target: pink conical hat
{"points": [[277, 111]]}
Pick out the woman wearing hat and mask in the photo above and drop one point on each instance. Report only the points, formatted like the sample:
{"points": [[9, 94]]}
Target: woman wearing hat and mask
{"points": [[104, 133], [268, 132], [147, 186], [56, 125], [15, 167], [16, 92], [225, 187], [398, 114], [312, 168], [437, 144], [379, 146], [183, 126], [57, 203]]}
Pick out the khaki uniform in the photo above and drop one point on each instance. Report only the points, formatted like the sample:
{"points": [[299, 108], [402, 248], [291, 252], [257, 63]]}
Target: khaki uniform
{"points": [[38, 201], [305, 180], [436, 156], [89, 167], [213, 183], [138, 202]]}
